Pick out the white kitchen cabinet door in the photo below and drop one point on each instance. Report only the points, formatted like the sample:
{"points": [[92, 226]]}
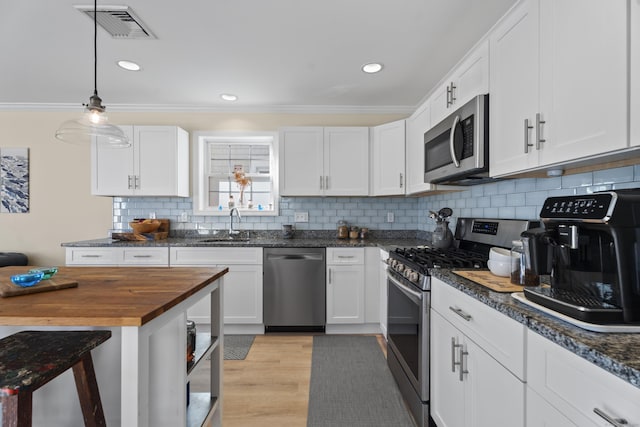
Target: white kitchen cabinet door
{"points": [[514, 85], [243, 294], [466, 80], [388, 157], [635, 73], [301, 161], [346, 161], [446, 389], [345, 294], [416, 126], [583, 78], [156, 164], [384, 255], [540, 413]]}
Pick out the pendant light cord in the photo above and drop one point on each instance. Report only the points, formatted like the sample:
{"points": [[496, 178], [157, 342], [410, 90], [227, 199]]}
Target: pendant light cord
{"points": [[95, 47]]}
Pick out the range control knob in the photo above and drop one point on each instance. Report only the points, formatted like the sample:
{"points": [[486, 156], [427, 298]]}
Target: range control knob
{"points": [[407, 273], [399, 267]]}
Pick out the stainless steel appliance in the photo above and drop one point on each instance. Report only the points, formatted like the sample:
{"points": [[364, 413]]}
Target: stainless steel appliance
{"points": [[409, 299], [456, 150], [294, 289], [591, 247]]}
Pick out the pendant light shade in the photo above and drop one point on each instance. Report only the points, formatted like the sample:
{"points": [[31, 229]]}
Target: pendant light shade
{"points": [[94, 122]]}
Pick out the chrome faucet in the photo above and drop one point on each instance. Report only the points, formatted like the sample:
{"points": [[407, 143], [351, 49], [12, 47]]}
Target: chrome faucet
{"points": [[231, 230]]}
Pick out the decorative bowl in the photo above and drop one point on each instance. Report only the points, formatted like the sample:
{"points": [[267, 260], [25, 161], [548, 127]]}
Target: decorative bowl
{"points": [[48, 272], [27, 279], [145, 226], [499, 268]]}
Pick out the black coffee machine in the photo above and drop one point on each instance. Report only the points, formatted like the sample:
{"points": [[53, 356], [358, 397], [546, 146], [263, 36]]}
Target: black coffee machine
{"points": [[591, 247]]}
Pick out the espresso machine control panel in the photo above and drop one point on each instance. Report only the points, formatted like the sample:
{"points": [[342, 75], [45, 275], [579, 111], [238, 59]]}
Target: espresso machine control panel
{"points": [[598, 207]]}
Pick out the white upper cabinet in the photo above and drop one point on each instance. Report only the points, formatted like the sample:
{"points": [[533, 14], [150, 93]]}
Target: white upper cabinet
{"points": [[330, 161], [416, 126], [635, 73], [558, 80], [156, 164], [468, 79], [388, 157]]}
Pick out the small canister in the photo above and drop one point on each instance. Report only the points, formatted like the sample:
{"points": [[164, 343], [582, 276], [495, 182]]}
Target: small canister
{"points": [[364, 233], [191, 341], [354, 233], [343, 230]]}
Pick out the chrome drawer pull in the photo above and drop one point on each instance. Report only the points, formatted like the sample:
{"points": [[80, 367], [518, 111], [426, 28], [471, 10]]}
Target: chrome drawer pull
{"points": [[617, 422], [142, 256], [461, 313], [91, 256]]}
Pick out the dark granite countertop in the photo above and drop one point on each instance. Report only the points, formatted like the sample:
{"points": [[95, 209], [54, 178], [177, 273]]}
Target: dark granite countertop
{"points": [[617, 353]]}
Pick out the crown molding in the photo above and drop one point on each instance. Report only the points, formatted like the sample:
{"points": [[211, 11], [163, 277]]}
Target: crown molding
{"points": [[168, 108]]}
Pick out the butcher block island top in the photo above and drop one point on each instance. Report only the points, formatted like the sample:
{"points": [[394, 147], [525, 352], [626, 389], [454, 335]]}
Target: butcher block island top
{"points": [[105, 296]]}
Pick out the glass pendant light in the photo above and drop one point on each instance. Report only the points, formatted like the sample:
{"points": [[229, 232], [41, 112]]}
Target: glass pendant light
{"points": [[94, 122]]}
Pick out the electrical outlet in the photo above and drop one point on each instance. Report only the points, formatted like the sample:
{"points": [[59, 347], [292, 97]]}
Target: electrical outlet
{"points": [[152, 215], [301, 217], [390, 217], [184, 217]]}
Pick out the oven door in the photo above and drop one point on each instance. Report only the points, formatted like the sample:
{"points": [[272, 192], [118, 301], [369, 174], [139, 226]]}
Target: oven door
{"points": [[408, 331]]}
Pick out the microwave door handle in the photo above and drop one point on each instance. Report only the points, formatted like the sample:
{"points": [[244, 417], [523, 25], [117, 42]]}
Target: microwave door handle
{"points": [[452, 137]]}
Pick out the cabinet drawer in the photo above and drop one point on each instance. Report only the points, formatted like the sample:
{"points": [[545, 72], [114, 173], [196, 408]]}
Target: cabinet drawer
{"points": [[91, 256], [503, 338], [215, 256], [577, 387], [145, 256], [345, 255]]}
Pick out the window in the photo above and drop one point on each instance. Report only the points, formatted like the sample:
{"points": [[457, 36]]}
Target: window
{"points": [[235, 170]]}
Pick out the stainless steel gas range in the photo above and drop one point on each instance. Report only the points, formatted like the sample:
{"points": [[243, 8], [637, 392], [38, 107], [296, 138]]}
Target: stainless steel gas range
{"points": [[409, 299]]}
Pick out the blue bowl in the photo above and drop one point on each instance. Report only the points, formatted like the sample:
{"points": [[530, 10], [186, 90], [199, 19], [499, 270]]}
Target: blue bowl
{"points": [[47, 271], [27, 279]]}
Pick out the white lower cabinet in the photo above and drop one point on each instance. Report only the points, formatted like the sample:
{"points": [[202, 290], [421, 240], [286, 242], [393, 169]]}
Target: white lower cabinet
{"points": [[121, 256], [581, 393], [382, 280], [243, 282], [345, 285], [477, 363]]}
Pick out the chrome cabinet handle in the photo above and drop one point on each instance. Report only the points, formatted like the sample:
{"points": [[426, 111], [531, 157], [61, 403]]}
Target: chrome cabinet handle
{"points": [[329, 276], [461, 313], [453, 98], [463, 370], [91, 256], [454, 346], [448, 96], [539, 123], [616, 422], [129, 181], [142, 256], [526, 136], [136, 180], [321, 182], [401, 183], [452, 135], [326, 182]]}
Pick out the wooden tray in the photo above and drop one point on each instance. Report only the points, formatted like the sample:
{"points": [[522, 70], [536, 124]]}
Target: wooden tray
{"points": [[490, 280], [9, 289]]}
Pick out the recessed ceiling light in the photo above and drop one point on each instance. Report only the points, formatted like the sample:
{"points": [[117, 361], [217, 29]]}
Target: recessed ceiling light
{"points": [[128, 65], [229, 97], [372, 67]]}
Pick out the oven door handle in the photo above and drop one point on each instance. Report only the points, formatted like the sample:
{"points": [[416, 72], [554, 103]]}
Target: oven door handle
{"points": [[414, 295]]}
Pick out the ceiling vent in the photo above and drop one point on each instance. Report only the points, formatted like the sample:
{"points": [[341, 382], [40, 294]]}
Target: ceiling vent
{"points": [[119, 21]]}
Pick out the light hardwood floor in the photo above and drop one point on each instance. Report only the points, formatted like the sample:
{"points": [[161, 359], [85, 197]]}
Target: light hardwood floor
{"points": [[271, 386]]}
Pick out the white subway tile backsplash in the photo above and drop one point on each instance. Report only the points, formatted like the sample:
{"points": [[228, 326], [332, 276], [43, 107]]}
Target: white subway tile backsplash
{"points": [[549, 183], [577, 180], [611, 176]]}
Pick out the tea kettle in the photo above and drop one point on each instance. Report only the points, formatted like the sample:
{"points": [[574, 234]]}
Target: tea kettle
{"points": [[441, 237]]}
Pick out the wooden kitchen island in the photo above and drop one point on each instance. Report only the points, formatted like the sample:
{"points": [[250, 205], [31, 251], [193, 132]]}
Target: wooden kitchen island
{"points": [[142, 370]]}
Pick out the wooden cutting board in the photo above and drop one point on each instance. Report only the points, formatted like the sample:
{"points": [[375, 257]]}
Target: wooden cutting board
{"points": [[9, 289], [490, 280]]}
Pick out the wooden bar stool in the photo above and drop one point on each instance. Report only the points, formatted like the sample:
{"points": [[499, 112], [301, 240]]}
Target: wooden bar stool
{"points": [[30, 359]]}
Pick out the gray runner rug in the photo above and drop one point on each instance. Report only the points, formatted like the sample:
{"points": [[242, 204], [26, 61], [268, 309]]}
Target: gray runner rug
{"points": [[351, 385], [236, 347]]}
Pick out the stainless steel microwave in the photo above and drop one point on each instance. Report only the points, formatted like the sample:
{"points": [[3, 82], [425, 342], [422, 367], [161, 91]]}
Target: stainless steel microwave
{"points": [[456, 150]]}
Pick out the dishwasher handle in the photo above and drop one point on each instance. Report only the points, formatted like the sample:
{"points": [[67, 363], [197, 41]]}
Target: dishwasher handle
{"points": [[304, 257]]}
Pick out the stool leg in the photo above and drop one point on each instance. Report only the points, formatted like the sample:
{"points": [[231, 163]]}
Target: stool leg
{"points": [[16, 410], [88, 393]]}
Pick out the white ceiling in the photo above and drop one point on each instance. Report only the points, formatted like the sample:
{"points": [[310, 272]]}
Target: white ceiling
{"points": [[275, 55]]}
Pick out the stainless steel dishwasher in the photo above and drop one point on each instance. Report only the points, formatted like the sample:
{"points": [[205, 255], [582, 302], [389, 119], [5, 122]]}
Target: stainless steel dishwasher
{"points": [[294, 289]]}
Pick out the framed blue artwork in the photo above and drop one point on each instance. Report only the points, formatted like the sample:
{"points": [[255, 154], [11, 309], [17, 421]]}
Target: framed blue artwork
{"points": [[14, 180]]}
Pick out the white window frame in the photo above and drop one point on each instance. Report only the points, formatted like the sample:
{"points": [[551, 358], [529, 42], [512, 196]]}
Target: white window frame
{"points": [[200, 139]]}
